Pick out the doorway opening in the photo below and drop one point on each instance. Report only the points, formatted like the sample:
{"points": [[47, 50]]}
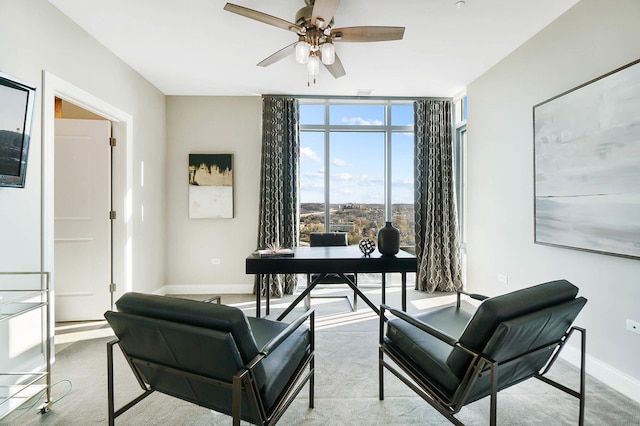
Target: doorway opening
{"points": [[88, 106]]}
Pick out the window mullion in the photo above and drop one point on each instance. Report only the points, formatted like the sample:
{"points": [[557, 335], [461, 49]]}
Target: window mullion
{"points": [[327, 171], [387, 164]]}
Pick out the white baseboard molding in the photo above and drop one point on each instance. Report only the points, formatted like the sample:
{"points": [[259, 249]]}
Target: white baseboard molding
{"points": [[621, 382], [205, 289]]}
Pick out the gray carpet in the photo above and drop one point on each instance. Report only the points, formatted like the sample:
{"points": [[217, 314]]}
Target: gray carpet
{"points": [[346, 384]]}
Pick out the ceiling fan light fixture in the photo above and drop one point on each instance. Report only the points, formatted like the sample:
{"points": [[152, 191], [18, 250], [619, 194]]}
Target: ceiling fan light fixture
{"points": [[313, 67], [302, 51], [314, 26], [328, 52]]}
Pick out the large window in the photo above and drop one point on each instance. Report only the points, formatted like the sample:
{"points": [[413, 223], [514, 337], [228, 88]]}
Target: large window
{"points": [[460, 166], [356, 168]]}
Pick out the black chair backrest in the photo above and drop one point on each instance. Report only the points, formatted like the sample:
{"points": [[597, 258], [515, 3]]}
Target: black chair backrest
{"points": [[523, 346], [327, 239], [203, 338], [521, 316]]}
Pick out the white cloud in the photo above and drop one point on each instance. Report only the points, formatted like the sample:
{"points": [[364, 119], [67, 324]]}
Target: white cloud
{"points": [[307, 153], [340, 162], [343, 176], [361, 121], [365, 180]]}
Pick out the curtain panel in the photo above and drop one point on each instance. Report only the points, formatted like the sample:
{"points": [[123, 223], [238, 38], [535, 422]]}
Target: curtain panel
{"points": [[437, 240], [278, 216]]}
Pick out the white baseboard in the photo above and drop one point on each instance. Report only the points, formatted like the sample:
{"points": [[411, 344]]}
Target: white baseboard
{"points": [[613, 378], [205, 289]]}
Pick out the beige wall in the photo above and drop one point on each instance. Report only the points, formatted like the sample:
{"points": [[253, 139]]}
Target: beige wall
{"points": [[591, 39], [36, 37], [212, 125]]}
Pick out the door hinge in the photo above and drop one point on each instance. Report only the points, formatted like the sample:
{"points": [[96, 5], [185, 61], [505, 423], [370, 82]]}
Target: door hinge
{"points": [[112, 288], [112, 142], [112, 215]]}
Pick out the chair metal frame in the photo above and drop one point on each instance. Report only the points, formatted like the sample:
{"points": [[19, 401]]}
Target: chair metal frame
{"points": [[408, 373], [243, 381]]}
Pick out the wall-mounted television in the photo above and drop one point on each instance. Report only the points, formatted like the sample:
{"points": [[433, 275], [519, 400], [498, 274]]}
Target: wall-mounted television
{"points": [[17, 101]]}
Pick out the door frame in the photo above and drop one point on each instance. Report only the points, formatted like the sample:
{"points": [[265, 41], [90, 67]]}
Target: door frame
{"points": [[122, 166]]}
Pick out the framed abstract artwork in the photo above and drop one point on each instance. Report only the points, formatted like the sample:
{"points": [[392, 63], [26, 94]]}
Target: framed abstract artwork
{"points": [[210, 186], [587, 166]]}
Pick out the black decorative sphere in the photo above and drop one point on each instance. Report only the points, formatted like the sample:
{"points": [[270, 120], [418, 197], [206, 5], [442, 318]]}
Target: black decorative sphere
{"points": [[367, 246]]}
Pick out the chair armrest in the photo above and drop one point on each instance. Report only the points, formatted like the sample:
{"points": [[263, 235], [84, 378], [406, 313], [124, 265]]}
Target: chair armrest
{"points": [[438, 334], [282, 336], [474, 295], [471, 295]]}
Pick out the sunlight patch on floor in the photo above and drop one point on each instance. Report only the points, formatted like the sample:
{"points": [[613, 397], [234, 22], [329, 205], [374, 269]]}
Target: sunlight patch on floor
{"points": [[338, 320], [68, 333]]}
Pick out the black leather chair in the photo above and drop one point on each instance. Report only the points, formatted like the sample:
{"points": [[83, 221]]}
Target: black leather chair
{"points": [[452, 356], [212, 355], [329, 239]]}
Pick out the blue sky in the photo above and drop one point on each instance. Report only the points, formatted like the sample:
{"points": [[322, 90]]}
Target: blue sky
{"points": [[356, 158]]}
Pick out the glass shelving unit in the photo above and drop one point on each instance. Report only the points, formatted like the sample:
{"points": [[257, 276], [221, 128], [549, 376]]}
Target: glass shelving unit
{"points": [[21, 293]]}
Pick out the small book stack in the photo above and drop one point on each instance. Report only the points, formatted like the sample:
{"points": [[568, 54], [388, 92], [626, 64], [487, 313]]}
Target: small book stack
{"points": [[274, 250]]}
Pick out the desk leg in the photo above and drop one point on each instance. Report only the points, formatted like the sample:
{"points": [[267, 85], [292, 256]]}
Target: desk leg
{"points": [[355, 288], [302, 295], [404, 291], [268, 297], [384, 288], [258, 292]]}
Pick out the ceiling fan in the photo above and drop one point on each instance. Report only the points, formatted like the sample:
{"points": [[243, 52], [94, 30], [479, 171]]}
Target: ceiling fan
{"points": [[316, 35]]}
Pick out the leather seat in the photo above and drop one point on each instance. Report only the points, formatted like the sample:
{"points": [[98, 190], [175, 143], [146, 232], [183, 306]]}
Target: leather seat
{"points": [[459, 354], [212, 355]]}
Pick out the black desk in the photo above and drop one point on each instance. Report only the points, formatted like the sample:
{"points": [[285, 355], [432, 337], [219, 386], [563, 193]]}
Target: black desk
{"points": [[325, 260]]}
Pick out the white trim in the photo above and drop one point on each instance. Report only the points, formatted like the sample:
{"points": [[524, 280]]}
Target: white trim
{"points": [[205, 289], [123, 130], [611, 377]]}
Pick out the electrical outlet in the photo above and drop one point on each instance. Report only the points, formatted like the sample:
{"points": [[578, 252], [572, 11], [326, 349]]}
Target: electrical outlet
{"points": [[633, 326], [502, 278], [215, 261]]}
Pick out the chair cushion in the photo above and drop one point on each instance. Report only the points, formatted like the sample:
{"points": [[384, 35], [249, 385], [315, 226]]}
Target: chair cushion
{"points": [[427, 353], [520, 335], [212, 316], [198, 350], [280, 365], [199, 337], [494, 310]]}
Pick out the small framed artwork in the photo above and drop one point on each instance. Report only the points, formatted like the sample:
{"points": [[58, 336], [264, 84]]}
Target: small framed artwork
{"points": [[210, 186], [587, 166]]}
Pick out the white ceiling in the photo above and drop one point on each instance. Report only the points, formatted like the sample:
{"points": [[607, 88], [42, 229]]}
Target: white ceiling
{"points": [[194, 47]]}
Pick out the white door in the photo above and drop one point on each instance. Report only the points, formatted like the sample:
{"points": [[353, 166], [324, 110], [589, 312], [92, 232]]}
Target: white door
{"points": [[82, 261]]}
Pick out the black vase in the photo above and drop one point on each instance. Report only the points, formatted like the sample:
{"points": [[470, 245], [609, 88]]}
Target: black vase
{"points": [[388, 239]]}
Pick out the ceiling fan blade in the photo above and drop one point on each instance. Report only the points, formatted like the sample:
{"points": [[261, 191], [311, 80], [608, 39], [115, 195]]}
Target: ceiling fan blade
{"points": [[262, 17], [324, 9], [336, 69], [280, 54], [364, 34]]}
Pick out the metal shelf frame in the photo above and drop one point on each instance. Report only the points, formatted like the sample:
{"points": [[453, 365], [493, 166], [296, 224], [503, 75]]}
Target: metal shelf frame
{"points": [[14, 303]]}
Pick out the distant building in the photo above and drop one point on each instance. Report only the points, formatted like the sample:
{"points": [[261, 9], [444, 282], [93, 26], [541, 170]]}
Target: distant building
{"points": [[342, 226], [350, 206]]}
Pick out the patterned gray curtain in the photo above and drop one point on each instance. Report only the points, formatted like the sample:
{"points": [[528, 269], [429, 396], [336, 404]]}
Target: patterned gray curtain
{"points": [[278, 218], [437, 242]]}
